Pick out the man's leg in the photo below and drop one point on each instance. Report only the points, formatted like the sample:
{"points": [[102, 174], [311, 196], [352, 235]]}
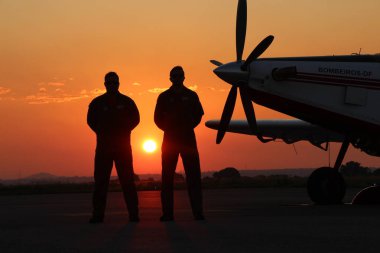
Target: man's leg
{"points": [[124, 167], [191, 164], [169, 163], [102, 172]]}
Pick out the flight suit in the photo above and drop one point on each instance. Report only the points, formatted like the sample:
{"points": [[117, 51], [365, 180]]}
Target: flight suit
{"points": [[112, 117], [178, 112]]}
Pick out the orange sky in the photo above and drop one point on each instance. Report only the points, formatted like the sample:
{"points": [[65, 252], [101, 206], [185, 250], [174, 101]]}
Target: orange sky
{"points": [[54, 55]]}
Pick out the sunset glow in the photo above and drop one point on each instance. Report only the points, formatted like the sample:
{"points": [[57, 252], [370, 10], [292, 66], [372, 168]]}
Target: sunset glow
{"points": [[150, 146], [54, 55]]}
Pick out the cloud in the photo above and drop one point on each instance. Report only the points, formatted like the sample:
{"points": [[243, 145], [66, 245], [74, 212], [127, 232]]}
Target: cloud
{"points": [[56, 84], [47, 99], [4, 90], [193, 87], [157, 90], [136, 84], [7, 99], [59, 95], [214, 89], [98, 91], [43, 96]]}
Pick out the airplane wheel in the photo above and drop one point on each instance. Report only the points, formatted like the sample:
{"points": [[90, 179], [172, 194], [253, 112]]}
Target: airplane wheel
{"points": [[326, 186]]}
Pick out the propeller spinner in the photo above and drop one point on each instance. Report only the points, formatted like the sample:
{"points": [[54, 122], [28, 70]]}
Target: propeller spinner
{"points": [[236, 74]]}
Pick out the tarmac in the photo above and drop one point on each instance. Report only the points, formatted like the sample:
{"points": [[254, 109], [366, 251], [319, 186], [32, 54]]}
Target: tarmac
{"points": [[237, 220]]}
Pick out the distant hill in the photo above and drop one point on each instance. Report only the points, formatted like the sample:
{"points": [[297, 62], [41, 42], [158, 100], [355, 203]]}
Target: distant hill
{"points": [[248, 173], [41, 176], [301, 172], [253, 173], [47, 178]]}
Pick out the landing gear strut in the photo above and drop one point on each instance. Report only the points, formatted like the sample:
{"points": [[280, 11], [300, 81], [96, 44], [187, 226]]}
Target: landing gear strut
{"points": [[326, 185]]}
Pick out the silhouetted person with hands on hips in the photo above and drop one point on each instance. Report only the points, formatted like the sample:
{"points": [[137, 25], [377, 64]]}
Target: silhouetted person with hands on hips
{"points": [[178, 111], [112, 116]]}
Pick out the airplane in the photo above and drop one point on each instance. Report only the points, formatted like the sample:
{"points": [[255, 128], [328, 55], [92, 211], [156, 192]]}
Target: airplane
{"points": [[333, 98]]}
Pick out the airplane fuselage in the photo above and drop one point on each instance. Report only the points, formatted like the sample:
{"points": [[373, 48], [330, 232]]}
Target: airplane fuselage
{"points": [[341, 93]]}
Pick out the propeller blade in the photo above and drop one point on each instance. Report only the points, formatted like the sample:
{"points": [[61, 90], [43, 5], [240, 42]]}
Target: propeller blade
{"points": [[250, 114], [227, 114], [260, 48], [248, 108], [241, 27], [217, 63]]}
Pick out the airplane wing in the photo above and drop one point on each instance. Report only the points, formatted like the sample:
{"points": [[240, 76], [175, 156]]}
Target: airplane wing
{"points": [[290, 131]]}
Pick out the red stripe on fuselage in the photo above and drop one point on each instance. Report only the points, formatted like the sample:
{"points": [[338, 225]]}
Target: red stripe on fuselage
{"points": [[336, 80]]}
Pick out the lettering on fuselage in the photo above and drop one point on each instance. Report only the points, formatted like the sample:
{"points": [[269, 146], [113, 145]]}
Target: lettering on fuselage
{"points": [[346, 72]]}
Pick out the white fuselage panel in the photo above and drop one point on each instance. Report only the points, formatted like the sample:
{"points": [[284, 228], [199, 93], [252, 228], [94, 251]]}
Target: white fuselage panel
{"points": [[346, 88]]}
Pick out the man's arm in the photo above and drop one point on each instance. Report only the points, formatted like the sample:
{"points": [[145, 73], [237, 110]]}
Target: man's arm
{"points": [[198, 111], [159, 114], [91, 117], [134, 116]]}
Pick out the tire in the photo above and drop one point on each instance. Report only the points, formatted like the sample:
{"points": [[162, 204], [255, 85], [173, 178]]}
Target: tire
{"points": [[326, 186]]}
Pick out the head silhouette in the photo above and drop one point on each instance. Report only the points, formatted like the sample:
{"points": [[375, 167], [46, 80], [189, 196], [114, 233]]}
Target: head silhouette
{"points": [[177, 75], [111, 81]]}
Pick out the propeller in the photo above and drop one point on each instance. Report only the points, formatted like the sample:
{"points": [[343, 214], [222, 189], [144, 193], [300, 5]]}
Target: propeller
{"points": [[216, 63], [227, 114], [241, 28], [236, 73], [259, 50]]}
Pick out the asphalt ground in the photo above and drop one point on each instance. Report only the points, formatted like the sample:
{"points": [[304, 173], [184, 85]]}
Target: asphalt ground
{"points": [[237, 220]]}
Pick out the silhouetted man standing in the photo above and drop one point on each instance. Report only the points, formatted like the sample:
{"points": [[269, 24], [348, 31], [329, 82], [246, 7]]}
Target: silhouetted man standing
{"points": [[112, 116], [178, 112]]}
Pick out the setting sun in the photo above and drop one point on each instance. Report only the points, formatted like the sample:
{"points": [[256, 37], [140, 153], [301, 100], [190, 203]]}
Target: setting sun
{"points": [[149, 146]]}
